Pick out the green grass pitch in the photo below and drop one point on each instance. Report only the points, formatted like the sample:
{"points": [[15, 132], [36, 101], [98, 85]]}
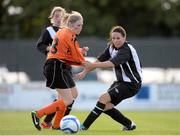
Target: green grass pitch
{"points": [[148, 123]]}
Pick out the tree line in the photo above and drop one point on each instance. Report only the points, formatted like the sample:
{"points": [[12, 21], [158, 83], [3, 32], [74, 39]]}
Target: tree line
{"points": [[27, 18]]}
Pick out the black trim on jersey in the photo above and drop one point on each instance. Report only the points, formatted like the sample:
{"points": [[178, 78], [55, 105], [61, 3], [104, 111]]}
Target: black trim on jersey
{"points": [[118, 73], [135, 72]]}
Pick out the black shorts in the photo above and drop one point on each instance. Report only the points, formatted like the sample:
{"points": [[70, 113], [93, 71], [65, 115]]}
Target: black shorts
{"points": [[122, 90], [58, 74]]}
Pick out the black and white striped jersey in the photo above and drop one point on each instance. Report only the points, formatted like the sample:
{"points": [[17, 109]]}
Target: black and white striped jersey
{"points": [[46, 38], [127, 64]]}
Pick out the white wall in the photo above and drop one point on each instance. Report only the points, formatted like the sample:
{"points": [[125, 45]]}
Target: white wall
{"points": [[35, 95]]}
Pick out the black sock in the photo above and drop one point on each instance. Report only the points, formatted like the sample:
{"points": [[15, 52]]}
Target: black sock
{"points": [[94, 114], [50, 117], [118, 116], [69, 108]]}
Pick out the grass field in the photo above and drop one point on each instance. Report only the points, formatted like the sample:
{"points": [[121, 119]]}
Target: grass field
{"points": [[148, 123]]}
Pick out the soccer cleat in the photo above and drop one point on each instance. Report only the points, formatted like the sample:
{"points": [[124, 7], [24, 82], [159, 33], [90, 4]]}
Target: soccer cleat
{"points": [[46, 125], [129, 128], [82, 128], [35, 120]]}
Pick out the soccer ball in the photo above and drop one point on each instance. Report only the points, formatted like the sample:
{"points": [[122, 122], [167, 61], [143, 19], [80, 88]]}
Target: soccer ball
{"points": [[70, 124]]}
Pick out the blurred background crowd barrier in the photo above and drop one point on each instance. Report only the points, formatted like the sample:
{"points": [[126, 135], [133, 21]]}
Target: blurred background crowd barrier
{"points": [[33, 95], [159, 56]]}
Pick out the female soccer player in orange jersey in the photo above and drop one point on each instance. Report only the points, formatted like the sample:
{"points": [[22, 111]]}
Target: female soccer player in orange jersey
{"points": [[43, 45], [64, 52], [58, 18]]}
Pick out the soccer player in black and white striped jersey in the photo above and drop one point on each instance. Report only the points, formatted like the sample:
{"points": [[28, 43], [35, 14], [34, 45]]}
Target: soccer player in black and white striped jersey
{"points": [[123, 58], [45, 40]]}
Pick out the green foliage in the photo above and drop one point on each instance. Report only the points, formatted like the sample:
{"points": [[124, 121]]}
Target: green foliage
{"points": [[140, 18]]}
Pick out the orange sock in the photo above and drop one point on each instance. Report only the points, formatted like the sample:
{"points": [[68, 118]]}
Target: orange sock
{"points": [[58, 116], [55, 106]]}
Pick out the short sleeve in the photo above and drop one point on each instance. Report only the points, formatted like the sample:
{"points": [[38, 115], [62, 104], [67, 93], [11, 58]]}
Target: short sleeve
{"points": [[104, 56]]}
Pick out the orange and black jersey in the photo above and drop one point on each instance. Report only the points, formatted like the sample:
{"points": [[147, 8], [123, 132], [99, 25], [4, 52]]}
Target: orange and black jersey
{"points": [[65, 47]]}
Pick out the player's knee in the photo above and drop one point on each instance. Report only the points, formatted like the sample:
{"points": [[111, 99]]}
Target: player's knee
{"points": [[74, 93], [68, 101], [104, 98], [109, 106]]}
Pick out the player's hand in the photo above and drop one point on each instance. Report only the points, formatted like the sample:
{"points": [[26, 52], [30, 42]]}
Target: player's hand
{"points": [[80, 75], [84, 50], [48, 48], [88, 65]]}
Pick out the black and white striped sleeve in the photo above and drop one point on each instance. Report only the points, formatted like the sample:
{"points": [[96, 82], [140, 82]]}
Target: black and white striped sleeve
{"points": [[44, 41]]}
